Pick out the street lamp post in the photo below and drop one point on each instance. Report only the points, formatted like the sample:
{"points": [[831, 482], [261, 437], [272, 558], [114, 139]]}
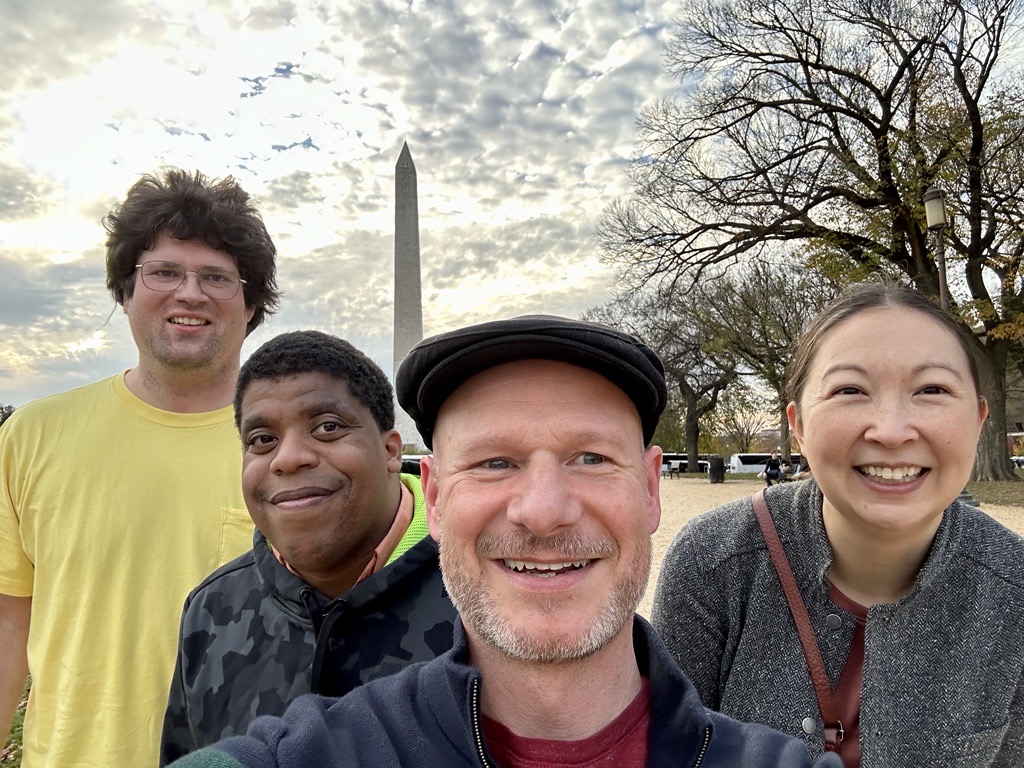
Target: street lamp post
{"points": [[934, 200]]}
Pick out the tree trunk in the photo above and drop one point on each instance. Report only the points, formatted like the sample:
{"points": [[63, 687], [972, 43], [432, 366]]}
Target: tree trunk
{"points": [[993, 459], [784, 434], [691, 429]]}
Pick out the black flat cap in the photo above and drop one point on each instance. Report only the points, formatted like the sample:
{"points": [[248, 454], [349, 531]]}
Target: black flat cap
{"points": [[438, 365]]}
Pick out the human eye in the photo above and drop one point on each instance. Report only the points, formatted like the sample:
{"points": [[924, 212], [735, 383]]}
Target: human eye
{"points": [[328, 429], [218, 278], [496, 464], [259, 442], [164, 270], [589, 458], [933, 389], [847, 390]]}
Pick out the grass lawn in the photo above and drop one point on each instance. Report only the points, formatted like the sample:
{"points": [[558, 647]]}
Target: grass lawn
{"points": [[1007, 493]]}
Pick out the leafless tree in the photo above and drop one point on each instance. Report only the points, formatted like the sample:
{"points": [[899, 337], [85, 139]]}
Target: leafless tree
{"points": [[667, 323], [5, 413], [741, 415], [758, 313], [820, 123]]}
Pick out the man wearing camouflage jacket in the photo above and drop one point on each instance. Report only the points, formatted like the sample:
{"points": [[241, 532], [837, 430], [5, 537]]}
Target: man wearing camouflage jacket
{"points": [[342, 585]]}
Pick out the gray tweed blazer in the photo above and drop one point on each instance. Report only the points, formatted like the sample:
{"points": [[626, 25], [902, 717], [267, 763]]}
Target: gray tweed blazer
{"points": [[943, 668]]}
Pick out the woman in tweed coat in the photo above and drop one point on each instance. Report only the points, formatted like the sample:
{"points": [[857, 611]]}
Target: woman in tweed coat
{"points": [[916, 600]]}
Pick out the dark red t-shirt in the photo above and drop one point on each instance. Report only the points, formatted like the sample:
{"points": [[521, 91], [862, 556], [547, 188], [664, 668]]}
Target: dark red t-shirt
{"points": [[620, 744], [846, 696]]}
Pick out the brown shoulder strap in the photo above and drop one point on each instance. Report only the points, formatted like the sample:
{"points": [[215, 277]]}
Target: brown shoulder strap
{"points": [[812, 654]]}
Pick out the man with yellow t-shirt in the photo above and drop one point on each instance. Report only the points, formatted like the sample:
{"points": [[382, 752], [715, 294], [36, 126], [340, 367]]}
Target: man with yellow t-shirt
{"points": [[116, 498]]}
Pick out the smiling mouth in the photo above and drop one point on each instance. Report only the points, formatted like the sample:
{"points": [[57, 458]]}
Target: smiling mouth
{"points": [[188, 321], [544, 569], [893, 475], [300, 494]]}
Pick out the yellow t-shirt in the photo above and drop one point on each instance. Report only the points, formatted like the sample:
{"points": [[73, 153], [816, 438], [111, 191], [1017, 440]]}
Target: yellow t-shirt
{"points": [[111, 511]]}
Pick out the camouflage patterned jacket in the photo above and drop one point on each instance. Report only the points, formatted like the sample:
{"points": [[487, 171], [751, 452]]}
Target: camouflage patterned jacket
{"points": [[254, 636]]}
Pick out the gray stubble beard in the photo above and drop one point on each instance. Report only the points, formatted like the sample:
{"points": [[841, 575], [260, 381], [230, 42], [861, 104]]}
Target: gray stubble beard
{"points": [[480, 612]]}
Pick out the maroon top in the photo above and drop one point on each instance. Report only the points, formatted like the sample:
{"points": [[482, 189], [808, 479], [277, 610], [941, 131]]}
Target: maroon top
{"points": [[620, 744], [846, 696]]}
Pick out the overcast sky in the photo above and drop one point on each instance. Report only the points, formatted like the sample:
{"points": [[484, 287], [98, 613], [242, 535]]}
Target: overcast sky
{"points": [[520, 122]]}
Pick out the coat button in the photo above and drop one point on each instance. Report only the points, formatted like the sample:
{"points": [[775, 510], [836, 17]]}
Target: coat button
{"points": [[832, 621], [808, 725]]}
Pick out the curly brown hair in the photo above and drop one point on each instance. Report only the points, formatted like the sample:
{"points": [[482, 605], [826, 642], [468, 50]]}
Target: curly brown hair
{"points": [[188, 206]]}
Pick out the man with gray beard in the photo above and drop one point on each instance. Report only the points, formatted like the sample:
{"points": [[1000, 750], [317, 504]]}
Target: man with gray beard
{"points": [[542, 497]]}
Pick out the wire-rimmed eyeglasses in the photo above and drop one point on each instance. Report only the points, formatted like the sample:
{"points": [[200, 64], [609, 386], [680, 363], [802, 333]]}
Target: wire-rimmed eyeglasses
{"points": [[167, 276]]}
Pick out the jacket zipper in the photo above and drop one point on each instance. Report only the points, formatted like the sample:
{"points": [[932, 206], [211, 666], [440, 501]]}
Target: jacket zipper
{"points": [[478, 733], [704, 747], [477, 730]]}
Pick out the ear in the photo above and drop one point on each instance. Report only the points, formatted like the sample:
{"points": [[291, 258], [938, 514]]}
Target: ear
{"points": [[249, 312], [796, 427], [652, 476], [982, 410], [393, 448], [428, 481]]}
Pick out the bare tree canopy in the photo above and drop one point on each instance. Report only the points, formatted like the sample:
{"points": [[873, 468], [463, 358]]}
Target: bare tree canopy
{"points": [[666, 322], [741, 416], [758, 313], [821, 123], [5, 413]]}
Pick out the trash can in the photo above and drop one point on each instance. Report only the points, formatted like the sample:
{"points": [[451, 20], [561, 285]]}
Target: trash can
{"points": [[716, 469]]}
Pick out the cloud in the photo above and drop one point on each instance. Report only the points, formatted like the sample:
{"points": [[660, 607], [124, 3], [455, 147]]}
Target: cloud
{"points": [[22, 195], [48, 38], [293, 190], [270, 16], [26, 298]]}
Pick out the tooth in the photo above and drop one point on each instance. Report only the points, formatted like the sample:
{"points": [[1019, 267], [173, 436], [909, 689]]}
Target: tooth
{"points": [[897, 474]]}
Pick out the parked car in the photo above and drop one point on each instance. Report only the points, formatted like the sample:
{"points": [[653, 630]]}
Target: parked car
{"points": [[1018, 461]]}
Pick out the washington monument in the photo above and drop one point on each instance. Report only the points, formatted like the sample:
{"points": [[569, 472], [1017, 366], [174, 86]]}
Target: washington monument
{"points": [[408, 303]]}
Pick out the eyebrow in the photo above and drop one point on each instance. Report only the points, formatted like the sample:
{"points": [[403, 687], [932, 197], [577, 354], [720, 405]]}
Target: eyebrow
{"points": [[221, 270], [853, 368], [498, 443]]}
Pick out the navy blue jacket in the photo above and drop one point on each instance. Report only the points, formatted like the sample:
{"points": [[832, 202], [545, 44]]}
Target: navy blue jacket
{"points": [[429, 714]]}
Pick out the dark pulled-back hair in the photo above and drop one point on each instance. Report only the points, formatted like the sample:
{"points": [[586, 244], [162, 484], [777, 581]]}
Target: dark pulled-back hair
{"points": [[862, 297], [298, 352], [188, 206]]}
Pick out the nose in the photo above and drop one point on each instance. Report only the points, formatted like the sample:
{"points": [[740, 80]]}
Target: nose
{"points": [[544, 501], [293, 453], [892, 423], [190, 288]]}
